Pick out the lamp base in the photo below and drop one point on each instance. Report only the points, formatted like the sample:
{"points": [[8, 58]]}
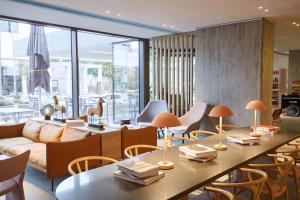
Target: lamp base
{"points": [[165, 165], [255, 134], [220, 147]]}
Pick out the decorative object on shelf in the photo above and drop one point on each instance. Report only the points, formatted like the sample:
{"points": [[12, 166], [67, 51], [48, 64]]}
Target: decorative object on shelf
{"points": [[47, 111], [165, 120], [59, 108], [96, 111], [220, 111], [255, 105]]}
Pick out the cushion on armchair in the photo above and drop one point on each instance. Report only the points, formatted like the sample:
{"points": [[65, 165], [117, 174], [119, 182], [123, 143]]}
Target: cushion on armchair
{"points": [[70, 134], [32, 130], [50, 133]]}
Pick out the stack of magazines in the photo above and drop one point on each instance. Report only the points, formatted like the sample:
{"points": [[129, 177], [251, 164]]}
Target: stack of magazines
{"points": [[243, 139], [267, 130], [75, 122], [138, 172], [197, 152]]}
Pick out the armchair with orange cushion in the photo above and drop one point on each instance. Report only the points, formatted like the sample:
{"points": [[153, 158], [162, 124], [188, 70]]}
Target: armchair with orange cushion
{"points": [[51, 147]]}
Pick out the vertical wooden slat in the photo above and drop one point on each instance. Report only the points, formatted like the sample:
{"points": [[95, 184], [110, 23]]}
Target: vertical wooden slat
{"points": [[165, 68], [169, 73], [173, 75], [186, 81], [192, 70], [154, 68], [178, 65], [182, 76], [157, 69], [160, 68]]}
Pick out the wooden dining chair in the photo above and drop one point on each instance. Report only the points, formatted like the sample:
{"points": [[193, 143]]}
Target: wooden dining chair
{"points": [[254, 182], [220, 194], [292, 149], [226, 127], [194, 134], [135, 150], [171, 140], [12, 176], [276, 186], [84, 161]]}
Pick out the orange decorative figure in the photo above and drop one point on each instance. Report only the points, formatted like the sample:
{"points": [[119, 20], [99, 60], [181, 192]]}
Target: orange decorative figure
{"points": [[97, 111]]}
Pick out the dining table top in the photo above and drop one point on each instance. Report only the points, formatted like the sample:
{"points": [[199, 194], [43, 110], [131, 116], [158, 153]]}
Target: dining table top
{"points": [[186, 176]]}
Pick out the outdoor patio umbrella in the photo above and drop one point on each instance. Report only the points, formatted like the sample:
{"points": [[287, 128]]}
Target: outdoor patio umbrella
{"points": [[38, 60]]}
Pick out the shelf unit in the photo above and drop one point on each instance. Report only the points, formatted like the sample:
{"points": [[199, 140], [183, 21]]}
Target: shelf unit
{"points": [[279, 86]]}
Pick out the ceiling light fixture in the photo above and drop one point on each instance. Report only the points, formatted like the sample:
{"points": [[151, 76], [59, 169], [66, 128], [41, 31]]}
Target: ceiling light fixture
{"points": [[164, 25], [172, 26], [119, 14], [294, 23], [266, 10], [107, 12], [298, 25], [260, 7]]}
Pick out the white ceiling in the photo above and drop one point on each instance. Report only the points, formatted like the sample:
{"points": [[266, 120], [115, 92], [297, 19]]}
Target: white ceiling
{"points": [[187, 15]]}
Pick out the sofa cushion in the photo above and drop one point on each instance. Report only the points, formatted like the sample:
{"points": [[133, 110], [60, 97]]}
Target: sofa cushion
{"points": [[32, 130], [71, 134], [8, 142], [50, 133], [37, 153]]}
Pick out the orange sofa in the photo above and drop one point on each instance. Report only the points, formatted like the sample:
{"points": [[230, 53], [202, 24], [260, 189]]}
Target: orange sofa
{"points": [[49, 154]]}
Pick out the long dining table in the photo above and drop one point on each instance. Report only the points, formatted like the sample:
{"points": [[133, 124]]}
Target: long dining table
{"points": [[186, 176]]}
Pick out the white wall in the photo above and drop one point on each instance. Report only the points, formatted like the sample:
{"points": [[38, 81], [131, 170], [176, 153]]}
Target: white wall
{"points": [[281, 61]]}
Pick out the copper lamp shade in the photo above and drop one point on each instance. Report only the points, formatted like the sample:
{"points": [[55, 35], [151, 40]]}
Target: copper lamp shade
{"points": [[255, 105], [165, 119], [220, 111]]}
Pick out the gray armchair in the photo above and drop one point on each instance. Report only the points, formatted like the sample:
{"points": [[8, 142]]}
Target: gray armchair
{"points": [[191, 120], [152, 109]]}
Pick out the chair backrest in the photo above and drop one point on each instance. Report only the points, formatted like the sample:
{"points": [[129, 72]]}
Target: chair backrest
{"points": [[194, 134], [152, 109], [220, 194], [131, 137], [282, 165], [226, 127], [135, 150], [256, 180], [14, 166], [276, 113], [192, 119], [84, 161], [173, 139]]}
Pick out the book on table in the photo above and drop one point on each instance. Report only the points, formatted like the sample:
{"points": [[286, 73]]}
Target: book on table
{"points": [[197, 152], [74, 122], [138, 171], [266, 129], [243, 139]]}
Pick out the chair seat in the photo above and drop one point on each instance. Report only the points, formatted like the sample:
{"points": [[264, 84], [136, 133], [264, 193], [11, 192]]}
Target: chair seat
{"points": [[275, 185], [178, 129], [7, 186], [6, 143]]}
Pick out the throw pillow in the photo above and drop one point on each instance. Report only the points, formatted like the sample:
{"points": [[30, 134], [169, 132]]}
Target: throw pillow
{"points": [[70, 134], [50, 133], [32, 130]]}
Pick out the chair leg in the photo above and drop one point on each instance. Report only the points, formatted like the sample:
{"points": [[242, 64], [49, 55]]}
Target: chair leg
{"points": [[296, 182], [52, 184], [286, 195]]}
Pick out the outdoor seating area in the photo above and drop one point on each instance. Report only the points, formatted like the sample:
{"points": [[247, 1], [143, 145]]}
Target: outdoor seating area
{"points": [[149, 100]]}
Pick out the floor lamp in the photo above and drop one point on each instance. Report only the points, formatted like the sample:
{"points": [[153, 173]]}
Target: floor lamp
{"points": [[220, 111], [165, 120], [255, 105]]}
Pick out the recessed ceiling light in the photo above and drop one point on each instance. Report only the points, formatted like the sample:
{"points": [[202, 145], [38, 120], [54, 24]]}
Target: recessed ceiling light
{"points": [[294, 23], [172, 26], [266, 10], [260, 7], [164, 25], [107, 12], [119, 14], [298, 25]]}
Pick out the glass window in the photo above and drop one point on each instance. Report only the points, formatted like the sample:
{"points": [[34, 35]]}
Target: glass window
{"points": [[35, 65], [108, 69]]}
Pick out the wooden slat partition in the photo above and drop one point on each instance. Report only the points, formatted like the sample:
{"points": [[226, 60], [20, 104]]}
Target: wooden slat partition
{"points": [[173, 59]]}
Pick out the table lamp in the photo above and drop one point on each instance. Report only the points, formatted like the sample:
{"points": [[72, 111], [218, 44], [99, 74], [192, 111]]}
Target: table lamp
{"points": [[47, 111], [165, 120], [220, 111], [255, 105]]}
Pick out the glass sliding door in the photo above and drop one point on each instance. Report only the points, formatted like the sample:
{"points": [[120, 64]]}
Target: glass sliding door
{"points": [[108, 68], [125, 80]]}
